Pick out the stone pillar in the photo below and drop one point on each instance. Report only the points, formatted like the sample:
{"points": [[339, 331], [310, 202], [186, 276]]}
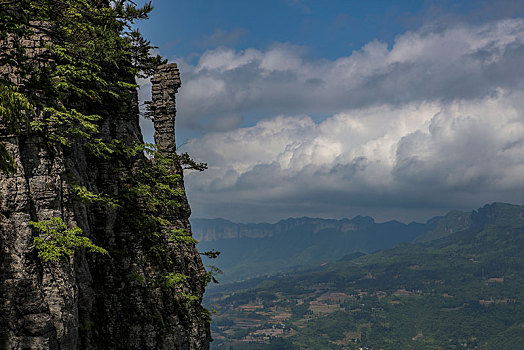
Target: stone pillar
{"points": [[166, 82]]}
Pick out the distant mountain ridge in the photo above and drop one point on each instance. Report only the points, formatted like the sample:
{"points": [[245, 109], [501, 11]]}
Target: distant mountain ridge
{"points": [[455, 221], [250, 250], [207, 230]]}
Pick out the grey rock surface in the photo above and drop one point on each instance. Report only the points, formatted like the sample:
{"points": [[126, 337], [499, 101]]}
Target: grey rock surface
{"points": [[93, 301]]}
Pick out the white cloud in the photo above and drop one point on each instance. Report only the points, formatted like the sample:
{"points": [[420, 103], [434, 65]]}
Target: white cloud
{"points": [[460, 154], [434, 122], [222, 60], [460, 62]]}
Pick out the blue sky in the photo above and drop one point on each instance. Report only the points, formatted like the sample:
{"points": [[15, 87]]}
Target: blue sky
{"points": [[327, 29], [394, 109]]}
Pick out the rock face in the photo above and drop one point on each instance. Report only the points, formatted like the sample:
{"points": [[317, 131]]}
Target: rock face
{"points": [[166, 83], [93, 301]]}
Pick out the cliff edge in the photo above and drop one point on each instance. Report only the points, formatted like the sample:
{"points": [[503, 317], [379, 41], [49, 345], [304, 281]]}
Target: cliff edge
{"points": [[145, 291]]}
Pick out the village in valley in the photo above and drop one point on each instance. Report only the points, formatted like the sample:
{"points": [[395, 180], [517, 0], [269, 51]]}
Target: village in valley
{"points": [[455, 293], [260, 317]]}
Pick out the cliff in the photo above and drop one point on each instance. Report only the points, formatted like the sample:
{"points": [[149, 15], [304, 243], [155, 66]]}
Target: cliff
{"points": [[146, 292], [249, 250], [208, 230]]}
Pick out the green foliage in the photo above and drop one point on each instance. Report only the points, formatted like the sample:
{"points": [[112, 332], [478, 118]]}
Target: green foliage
{"points": [[70, 124], [188, 163], [57, 241], [14, 109], [87, 196], [152, 192], [180, 235], [176, 281], [173, 279], [212, 254], [90, 58], [114, 150], [210, 275], [141, 54], [206, 315], [155, 185], [7, 163], [136, 277], [100, 149], [120, 148], [189, 299]]}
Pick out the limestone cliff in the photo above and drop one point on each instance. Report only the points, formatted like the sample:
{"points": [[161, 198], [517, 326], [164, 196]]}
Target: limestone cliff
{"points": [[90, 301]]}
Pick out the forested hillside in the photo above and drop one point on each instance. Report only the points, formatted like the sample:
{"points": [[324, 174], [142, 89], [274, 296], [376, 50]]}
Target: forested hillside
{"points": [[462, 291]]}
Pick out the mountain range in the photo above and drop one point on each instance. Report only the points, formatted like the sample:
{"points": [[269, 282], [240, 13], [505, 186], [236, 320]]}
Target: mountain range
{"points": [[250, 250], [462, 290]]}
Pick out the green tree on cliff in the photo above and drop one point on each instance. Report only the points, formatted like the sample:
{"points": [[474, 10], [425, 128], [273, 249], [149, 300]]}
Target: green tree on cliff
{"points": [[91, 54]]}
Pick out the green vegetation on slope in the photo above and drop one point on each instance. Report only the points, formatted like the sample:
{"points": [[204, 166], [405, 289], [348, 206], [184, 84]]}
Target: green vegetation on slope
{"points": [[463, 291]]}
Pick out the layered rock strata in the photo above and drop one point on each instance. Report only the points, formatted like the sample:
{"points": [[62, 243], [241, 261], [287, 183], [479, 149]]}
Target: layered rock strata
{"points": [[166, 83]]}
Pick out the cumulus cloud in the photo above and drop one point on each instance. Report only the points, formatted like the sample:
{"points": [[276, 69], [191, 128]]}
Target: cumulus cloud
{"points": [[416, 156], [432, 123], [459, 62]]}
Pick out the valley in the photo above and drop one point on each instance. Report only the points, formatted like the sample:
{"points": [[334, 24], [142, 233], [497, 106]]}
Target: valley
{"points": [[461, 291]]}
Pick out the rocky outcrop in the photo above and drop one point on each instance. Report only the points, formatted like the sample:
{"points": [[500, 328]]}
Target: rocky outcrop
{"points": [[166, 83], [93, 301]]}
